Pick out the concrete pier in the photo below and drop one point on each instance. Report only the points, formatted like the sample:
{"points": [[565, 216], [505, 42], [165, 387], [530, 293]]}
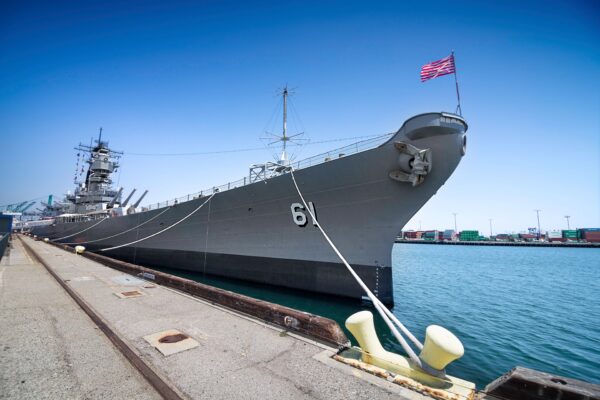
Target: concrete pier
{"points": [[50, 348]]}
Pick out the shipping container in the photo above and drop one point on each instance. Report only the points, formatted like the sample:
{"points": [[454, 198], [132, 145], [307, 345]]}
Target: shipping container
{"points": [[528, 237], [581, 233], [469, 235], [554, 234], [591, 236], [556, 239], [410, 234], [569, 234], [430, 235], [449, 234]]}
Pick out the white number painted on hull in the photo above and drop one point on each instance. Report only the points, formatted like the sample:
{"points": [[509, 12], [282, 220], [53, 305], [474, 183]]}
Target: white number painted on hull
{"points": [[299, 216]]}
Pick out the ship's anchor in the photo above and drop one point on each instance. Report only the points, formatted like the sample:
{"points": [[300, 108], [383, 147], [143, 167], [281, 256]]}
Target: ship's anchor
{"points": [[414, 163]]}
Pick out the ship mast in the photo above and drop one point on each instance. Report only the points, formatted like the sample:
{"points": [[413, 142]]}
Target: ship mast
{"points": [[283, 158], [284, 138], [264, 171]]}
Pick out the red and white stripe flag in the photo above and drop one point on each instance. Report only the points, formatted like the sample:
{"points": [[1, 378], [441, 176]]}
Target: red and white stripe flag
{"points": [[437, 68]]}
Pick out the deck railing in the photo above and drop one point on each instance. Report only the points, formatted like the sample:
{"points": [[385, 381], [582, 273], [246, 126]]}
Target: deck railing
{"points": [[307, 162]]}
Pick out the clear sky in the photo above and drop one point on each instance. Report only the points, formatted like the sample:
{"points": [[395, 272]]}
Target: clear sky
{"points": [[173, 77]]}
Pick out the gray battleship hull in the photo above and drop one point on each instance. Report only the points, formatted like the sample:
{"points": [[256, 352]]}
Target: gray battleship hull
{"points": [[250, 232]]}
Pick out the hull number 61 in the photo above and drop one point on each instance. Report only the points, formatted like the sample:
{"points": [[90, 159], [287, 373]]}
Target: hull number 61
{"points": [[299, 213]]}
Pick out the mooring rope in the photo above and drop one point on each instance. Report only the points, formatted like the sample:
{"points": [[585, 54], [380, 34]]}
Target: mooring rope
{"points": [[86, 229], [128, 230], [386, 314], [163, 230]]}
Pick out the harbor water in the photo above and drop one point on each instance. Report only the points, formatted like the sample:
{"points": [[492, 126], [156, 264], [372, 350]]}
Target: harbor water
{"points": [[533, 307]]}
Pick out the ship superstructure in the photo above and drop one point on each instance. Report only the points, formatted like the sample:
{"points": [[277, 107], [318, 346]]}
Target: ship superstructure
{"points": [[95, 193]]}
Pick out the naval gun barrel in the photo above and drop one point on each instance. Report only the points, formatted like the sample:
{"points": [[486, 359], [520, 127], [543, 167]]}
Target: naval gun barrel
{"points": [[112, 202], [137, 203], [128, 198]]}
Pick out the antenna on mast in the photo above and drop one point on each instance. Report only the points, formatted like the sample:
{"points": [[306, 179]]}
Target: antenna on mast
{"points": [[284, 158], [100, 136]]}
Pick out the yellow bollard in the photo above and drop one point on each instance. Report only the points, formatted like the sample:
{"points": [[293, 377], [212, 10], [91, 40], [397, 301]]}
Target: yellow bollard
{"points": [[362, 328], [441, 347], [79, 249]]}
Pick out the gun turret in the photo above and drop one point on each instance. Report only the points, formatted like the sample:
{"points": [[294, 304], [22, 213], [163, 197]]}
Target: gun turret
{"points": [[128, 198], [113, 201], [137, 203]]}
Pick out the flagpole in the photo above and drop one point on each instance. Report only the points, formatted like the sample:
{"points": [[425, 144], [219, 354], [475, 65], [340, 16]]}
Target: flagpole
{"points": [[458, 109]]}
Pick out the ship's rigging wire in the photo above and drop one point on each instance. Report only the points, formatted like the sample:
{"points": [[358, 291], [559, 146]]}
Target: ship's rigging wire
{"points": [[296, 115], [297, 121], [200, 153], [128, 230], [163, 230], [272, 120], [386, 314], [86, 229]]}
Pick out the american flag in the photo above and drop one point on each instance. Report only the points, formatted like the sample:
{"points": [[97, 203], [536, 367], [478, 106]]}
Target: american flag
{"points": [[437, 68]]}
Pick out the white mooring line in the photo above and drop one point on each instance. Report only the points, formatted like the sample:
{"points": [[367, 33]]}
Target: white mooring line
{"points": [[386, 314]]}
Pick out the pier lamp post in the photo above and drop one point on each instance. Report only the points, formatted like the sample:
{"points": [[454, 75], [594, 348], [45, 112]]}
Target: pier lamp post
{"points": [[538, 219], [568, 224], [455, 228]]}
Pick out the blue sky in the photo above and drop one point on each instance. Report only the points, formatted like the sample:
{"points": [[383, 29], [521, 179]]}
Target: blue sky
{"points": [[190, 77]]}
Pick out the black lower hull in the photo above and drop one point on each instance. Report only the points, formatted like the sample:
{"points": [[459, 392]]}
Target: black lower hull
{"points": [[313, 276]]}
